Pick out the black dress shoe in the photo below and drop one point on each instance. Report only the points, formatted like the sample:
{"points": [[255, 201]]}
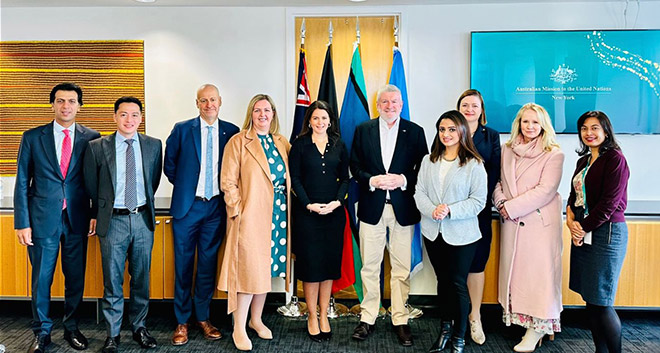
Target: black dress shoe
{"points": [[362, 331], [111, 345], [39, 344], [445, 334], [404, 335], [144, 338], [76, 339], [457, 344]]}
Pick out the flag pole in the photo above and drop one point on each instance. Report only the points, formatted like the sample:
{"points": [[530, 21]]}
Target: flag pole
{"points": [[294, 308]]}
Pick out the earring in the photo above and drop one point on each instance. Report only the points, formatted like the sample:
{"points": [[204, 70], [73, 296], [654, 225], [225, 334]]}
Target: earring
{"points": [[309, 126], [329, 124]]}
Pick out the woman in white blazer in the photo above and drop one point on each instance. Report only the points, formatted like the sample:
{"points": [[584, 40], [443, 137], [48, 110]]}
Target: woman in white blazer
{"points": [[451, 191]]}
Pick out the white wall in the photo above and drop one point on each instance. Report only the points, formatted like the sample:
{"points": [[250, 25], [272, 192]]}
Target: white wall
{"points": [[250, 50]]}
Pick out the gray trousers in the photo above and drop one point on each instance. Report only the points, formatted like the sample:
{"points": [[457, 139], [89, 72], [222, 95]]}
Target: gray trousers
{"points": [[128, 238]]}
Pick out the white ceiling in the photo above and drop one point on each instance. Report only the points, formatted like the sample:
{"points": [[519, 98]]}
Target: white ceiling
{"points": [[262, 3]]}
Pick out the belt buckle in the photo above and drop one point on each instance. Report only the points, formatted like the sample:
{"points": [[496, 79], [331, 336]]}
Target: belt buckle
{"points": [[135, 211]]}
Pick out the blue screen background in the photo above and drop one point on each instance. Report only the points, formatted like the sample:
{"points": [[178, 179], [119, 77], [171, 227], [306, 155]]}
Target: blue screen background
{"points": [[569, 73]]}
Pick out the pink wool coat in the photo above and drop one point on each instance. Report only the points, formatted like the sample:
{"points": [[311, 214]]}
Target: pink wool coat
{"points": [[531, 240]]}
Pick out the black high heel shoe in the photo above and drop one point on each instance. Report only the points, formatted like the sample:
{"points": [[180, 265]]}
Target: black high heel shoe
{"points": [[445, 334], [326, 336], [457, 344], [316, 338]]}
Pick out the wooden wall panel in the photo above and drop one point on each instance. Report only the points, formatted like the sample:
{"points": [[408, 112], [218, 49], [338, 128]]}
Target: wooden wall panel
{"points": [[105, 70]]}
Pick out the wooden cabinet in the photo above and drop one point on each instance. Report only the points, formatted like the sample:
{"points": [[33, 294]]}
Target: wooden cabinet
{"points": [[13, 261], [638, 286]]}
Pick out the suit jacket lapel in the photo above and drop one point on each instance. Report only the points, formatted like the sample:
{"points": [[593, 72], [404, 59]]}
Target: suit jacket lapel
{"points": [[111, 158], [48, 144], [400, 146], [145, 149], [479, 135], [197, 138], [374, 137], [78, 146], [257, 152]]}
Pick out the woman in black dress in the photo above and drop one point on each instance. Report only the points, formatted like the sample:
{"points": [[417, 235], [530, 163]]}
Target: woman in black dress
{"points": [[318, 163], [487, 142]]}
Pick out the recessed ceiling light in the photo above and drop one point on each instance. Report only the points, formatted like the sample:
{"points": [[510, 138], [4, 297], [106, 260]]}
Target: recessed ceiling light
{"points": [[146, 1]]}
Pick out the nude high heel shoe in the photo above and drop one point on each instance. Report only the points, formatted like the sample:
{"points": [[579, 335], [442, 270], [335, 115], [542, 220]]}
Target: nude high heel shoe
{"points": [[530, 340]]}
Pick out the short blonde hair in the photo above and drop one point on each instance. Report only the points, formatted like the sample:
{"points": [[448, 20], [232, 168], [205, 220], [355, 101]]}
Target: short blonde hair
{"points": [[274, 125], [548, 136]]}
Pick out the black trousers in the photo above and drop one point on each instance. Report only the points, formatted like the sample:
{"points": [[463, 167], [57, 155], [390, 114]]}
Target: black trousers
{"points": [[452, 265]]}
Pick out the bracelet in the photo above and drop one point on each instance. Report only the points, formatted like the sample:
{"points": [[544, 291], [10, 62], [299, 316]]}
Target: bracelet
{"points": [[500, 203]]}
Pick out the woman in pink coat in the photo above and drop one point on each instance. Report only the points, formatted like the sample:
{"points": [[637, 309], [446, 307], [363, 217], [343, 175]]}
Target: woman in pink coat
{"points": [[529, 287]]}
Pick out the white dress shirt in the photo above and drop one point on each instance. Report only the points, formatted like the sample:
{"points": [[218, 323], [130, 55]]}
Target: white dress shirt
{"points": [[201, 181], [59, 137]]}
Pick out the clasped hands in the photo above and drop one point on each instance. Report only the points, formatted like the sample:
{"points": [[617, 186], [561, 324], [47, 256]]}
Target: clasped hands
{"points": [[323, 208], [387, 181], [577, 233], [440, 212]]}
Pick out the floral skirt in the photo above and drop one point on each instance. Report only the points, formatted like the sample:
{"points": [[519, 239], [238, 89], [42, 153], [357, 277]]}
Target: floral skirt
{"points": [[547, 326]]}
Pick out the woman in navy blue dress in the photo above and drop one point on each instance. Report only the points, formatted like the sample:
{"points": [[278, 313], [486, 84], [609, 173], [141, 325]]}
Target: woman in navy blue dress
{"points": [[487, 142], [318, 164]]}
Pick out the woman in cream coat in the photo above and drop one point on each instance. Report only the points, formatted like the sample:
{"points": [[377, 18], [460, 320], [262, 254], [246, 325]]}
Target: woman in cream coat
{"points": [[529, 287], [255, 180], [451, 191]]}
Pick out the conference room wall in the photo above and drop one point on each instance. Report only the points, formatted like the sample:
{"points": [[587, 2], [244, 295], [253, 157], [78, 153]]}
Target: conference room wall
{"points": [[249, 50]]}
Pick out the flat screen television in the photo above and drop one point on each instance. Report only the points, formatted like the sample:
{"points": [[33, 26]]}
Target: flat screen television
{"points": [[569, 73]]}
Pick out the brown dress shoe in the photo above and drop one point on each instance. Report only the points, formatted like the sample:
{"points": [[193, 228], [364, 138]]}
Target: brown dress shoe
{"points": [[210, 332], [180, 336]]}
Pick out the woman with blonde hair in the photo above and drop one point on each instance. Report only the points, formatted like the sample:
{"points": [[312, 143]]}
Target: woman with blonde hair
{"points": [[255, 180], [526, 197]]}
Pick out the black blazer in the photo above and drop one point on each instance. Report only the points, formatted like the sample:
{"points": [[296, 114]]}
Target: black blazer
{"points": [[40, 188], [366, 161], [100, 177], [487, 142]]}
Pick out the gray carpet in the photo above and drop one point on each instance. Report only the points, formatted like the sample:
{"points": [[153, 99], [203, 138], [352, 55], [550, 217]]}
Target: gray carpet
{"points": [[641, 332]]}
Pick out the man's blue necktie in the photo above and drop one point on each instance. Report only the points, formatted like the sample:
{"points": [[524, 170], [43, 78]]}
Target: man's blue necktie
{"points": [[208, 179]]}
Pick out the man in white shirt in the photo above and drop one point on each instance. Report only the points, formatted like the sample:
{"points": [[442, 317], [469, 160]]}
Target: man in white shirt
{"points": [[385, 159], [193, 158], [52, 211]]}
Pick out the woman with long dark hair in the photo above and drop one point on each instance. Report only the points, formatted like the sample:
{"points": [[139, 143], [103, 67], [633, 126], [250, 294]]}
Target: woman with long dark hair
{"points": [[451, 191], [595, 217], [319, 178]]}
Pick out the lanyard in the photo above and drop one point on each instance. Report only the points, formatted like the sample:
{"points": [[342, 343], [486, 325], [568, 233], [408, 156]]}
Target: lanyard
{"points": [[584, 190]]}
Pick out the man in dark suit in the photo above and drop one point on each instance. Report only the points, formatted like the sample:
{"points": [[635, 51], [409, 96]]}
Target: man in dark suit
{"points": [[385, 159], [122, 173], [51, 208], [193, 158]]}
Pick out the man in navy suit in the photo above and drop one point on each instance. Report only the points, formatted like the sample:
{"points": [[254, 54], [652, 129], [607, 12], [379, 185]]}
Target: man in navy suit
{"points": [[385, 159], [193, 158], [52, 210]]}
